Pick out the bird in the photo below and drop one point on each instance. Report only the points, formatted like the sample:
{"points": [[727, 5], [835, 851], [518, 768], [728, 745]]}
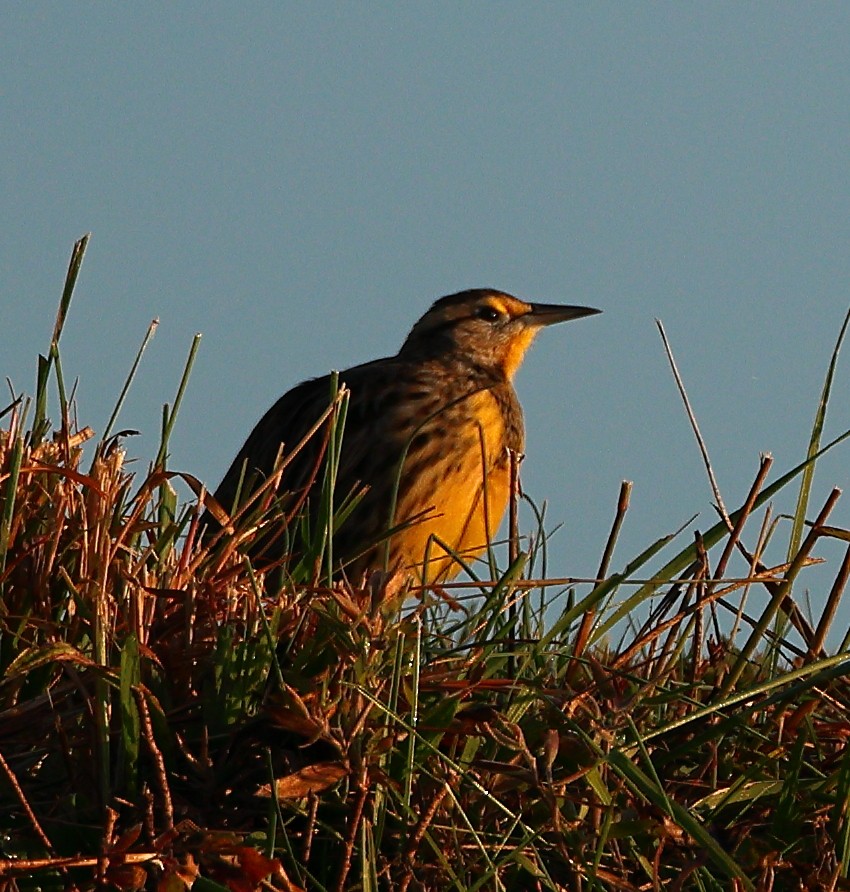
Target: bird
{"points": [[424, 464]]}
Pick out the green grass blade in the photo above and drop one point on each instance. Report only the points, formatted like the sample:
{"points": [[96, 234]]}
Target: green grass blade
{"points": [[129, 678], [129, 380], [10, 487], [40, 422], [171, 416], [650, 789], [799, 522]]}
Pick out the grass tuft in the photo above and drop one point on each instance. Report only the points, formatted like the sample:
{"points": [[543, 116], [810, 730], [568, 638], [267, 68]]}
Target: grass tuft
{"points": [[169, 716]]}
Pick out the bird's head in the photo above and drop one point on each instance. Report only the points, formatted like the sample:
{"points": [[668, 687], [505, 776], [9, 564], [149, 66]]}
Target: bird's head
{"points": [[487, 328]]}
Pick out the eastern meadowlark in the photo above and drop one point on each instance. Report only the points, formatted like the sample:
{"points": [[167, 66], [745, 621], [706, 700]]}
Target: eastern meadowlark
{"points": [[426, 443]]}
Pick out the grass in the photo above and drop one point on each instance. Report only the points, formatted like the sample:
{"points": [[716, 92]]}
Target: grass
{"points": [[171, 719]]}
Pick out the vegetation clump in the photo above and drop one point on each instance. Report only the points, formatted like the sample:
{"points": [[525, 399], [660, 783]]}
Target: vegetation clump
{"points": [[172, 718]]}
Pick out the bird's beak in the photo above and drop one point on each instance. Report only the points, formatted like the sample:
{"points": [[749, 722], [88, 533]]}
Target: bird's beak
{"points": [[549, 314]]}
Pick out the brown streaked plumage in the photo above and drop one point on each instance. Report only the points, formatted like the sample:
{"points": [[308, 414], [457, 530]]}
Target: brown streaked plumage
{"points": [[439, 417]]}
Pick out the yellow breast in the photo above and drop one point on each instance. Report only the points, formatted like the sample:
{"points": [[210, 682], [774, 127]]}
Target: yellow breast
{"points": [[462, 495]]}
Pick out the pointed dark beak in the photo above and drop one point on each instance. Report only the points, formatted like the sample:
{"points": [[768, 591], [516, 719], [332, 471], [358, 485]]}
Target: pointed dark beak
{"points": [[549, 314]]}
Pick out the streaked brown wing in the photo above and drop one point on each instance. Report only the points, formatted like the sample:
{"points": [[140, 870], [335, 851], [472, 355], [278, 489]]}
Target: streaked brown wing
{"points": [[290, 419]]}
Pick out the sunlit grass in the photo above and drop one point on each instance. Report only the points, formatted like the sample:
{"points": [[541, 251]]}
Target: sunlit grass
{"points": [[169, 715]]}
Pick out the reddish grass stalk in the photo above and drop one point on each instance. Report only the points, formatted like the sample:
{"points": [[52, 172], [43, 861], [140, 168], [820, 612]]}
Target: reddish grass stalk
{"points": [[13, 782], [354, 820], [160, 772]]}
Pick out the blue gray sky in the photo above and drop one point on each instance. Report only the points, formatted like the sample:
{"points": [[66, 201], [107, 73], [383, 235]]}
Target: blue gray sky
{"points": [[299, 181]]}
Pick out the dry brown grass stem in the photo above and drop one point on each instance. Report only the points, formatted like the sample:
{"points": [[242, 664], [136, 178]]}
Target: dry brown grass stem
{"points": [[21, 796], [694, 425]]}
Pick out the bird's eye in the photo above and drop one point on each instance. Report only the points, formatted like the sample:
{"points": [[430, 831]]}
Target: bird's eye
{"points": [[488, 313]]}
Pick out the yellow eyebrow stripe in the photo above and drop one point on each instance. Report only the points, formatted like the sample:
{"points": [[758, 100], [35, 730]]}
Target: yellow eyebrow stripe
{"points": [[506, 307]]}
